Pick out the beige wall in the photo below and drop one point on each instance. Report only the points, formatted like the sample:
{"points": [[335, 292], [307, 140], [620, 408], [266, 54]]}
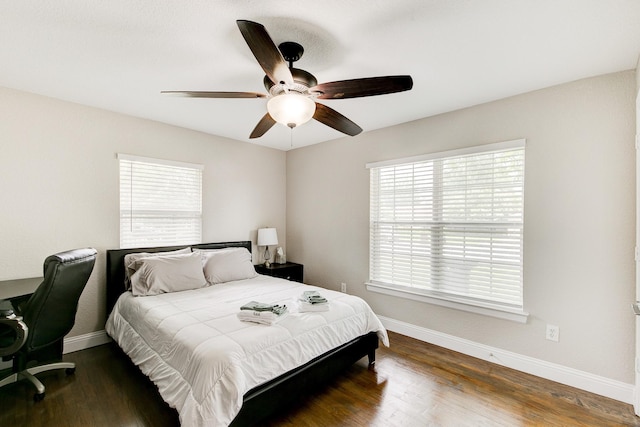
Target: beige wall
{"points": [[59, 185], [579, 219], [59, 190]]}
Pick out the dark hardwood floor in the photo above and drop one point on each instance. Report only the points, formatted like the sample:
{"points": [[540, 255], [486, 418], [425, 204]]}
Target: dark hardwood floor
{"points": [[414, 384]]}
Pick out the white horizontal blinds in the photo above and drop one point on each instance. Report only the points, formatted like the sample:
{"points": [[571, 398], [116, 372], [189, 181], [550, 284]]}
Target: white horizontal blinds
{"points": [[160, 202], [451, 226]]}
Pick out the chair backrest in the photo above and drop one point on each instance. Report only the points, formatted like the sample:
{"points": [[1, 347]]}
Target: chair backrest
{"points": [[51, 311]]}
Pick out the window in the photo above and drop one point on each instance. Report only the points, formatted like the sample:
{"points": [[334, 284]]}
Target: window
{"points": [[160, 202], [447, 228]]}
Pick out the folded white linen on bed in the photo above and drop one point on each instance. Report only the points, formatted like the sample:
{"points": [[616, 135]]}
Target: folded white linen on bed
{"points": [[203, 359], [262, 317], [307, 307]]}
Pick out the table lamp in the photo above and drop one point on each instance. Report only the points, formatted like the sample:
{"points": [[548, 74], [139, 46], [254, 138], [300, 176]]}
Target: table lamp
{"points": [[266, 237]]}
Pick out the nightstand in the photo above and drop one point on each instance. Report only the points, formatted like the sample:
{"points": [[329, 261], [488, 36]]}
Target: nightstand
{"points": [[288, 270]]}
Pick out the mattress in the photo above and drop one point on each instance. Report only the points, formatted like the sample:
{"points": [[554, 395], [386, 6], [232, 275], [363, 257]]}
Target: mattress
{"points": [[203, 359]]}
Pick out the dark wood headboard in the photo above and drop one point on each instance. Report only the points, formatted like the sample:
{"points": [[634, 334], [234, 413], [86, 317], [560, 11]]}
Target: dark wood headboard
{"points": [[116, 270]]}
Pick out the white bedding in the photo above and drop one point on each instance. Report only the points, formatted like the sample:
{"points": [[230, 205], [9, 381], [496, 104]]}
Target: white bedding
{"points": [[203, 359]]}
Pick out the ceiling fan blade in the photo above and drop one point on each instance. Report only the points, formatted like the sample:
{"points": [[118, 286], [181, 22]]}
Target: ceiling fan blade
{"points": [[265, 51], [332, 118], [369, 86], [265, 123], [198, 94]]}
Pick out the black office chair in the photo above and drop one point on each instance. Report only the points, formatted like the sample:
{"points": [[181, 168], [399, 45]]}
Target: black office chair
{"points": [[49, 315]]}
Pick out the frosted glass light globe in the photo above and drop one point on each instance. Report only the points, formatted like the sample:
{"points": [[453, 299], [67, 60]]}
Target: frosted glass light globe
{"points": [[291, 109]]}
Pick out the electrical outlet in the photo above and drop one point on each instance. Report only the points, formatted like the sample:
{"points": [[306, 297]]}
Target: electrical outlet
{"points": [[343, 287], [553, 333]]}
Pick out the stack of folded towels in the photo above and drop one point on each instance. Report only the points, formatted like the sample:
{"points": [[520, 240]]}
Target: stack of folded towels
{"points": [[266, 314], [312, 301]]}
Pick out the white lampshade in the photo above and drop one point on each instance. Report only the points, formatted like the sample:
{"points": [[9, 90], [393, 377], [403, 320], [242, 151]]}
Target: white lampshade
{"points": [[291, 109], [267, 236]]}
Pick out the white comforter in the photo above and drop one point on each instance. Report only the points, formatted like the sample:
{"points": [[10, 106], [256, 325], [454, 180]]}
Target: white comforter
{"points": [[203, 359]]}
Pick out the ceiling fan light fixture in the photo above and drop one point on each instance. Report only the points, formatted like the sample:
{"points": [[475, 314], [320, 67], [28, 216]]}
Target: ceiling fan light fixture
{"points": [[291, 109]]}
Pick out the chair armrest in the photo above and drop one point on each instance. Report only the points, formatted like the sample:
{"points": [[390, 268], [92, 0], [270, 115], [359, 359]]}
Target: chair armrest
{"points": [[6, 308], [13, 331], [19, 303]]}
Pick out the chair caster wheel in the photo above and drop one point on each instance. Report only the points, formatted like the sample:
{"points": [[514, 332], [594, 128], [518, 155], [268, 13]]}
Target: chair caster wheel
{"points": [[70, 371], [38, 397]]}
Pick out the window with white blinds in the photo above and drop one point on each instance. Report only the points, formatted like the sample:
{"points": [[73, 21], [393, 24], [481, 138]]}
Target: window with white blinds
{"points": [[160, 202], [450, 225]]}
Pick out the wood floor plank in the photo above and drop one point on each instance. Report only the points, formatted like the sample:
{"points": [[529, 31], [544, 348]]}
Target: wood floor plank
{"points": [[413, 384]]}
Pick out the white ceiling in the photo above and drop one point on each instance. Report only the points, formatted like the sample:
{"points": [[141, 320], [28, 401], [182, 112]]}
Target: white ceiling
{"points": [[119, 54]]}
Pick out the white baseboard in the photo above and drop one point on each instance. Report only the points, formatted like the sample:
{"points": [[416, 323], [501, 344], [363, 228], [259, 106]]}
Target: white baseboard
{"points": [[617, 390], [82, 342]]}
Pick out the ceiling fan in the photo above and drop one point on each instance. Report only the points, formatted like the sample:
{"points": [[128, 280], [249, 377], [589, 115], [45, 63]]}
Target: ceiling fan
{"points": [[292, 91]]}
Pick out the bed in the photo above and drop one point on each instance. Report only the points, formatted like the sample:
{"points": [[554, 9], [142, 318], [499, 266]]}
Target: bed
{"points": [[177, 338]]}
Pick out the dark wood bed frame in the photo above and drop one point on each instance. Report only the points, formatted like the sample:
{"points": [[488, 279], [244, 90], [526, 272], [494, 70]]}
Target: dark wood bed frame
{"points": [[278, 394]]}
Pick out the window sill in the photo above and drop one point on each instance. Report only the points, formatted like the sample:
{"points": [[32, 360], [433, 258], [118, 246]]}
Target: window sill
{"points": [[484, 309]]}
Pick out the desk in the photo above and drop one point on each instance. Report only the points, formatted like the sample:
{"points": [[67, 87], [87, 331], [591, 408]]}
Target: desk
{"points": [[18, 287]]}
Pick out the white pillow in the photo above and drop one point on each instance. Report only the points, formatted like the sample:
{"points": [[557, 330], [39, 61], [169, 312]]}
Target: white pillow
{"points": [[226, 265], [169, 273], [130, 259]]}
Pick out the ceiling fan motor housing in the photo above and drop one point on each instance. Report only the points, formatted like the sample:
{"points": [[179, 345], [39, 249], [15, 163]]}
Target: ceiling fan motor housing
{"points": [[302, 80]]}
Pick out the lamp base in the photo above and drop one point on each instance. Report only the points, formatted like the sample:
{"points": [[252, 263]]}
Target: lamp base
{"points": [[267, 257]]}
